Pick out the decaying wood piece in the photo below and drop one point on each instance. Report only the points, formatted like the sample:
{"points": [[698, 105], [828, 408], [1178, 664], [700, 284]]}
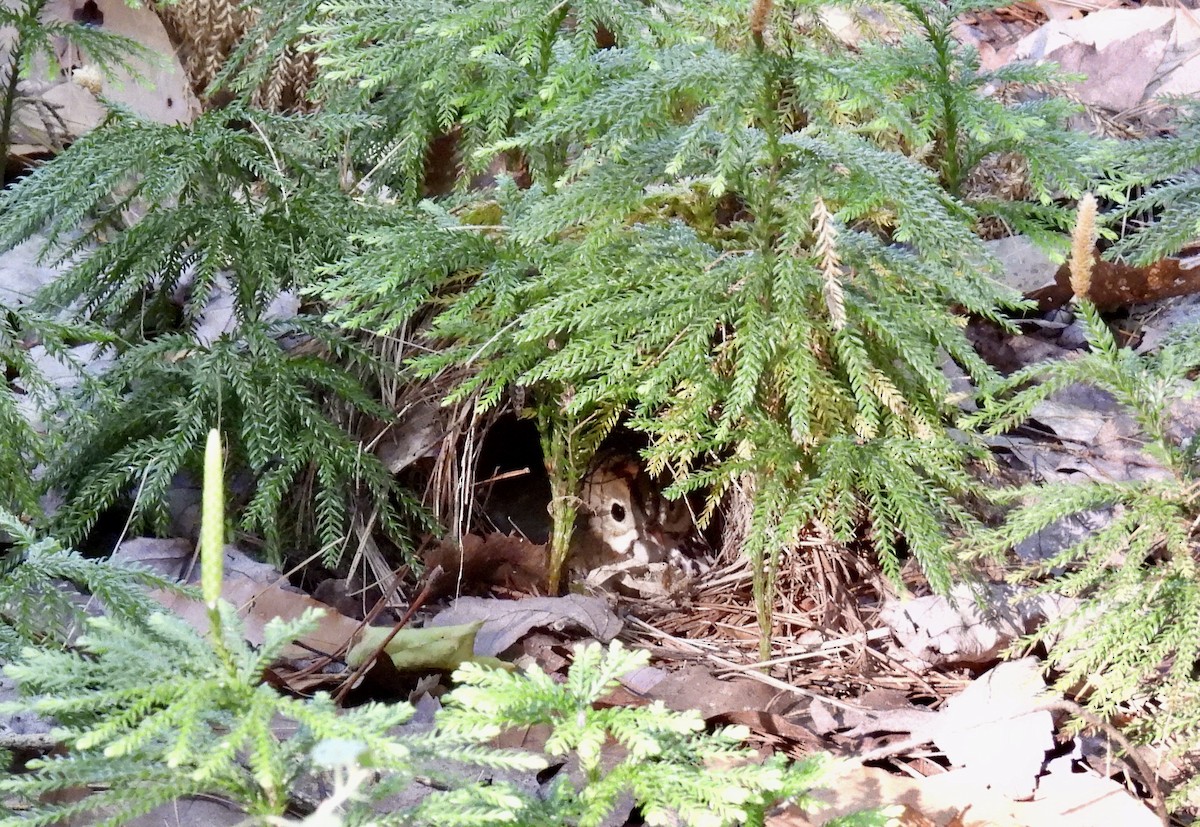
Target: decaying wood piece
{"points": [[1115, 285]]}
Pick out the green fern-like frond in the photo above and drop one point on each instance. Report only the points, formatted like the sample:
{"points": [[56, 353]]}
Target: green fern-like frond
{"points": [[147, 420], [664, 258], [21, 447], [231, 204], [484, 70], [962, 118], [184, 721], [35, 606], [224, 195], [29, 395], [195, 718], [1134, 631], [1162, 219], [672, 767]]}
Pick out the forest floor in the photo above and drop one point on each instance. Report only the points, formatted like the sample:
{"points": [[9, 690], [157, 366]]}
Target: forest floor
{"points": [[917, 684]]}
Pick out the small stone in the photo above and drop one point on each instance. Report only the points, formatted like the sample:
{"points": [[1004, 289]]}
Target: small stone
{"points": [[1073, 337]]}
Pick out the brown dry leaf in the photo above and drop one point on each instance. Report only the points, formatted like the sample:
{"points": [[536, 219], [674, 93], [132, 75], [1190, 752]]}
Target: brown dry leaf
{"points": [[1130, 56], [1059, 535], [825, 718], [491, 560], [349, 596], [156, 89], [955, 628], [642, 681], [532, 738], [956, 799], [855, 788], [1009, 353], [798, 738], [995, 32], [506, 621], [185, 812], [694, 687], [994, 729], [260, 593], [1154, 324], [416, 435], [735, 701], [547, 651], [1026, 266], [1117, 77], [1083, 800], [1091, 437], [1073, 9]]}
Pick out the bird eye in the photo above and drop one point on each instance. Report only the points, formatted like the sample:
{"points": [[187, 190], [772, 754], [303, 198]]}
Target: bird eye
{"points": [[618, 512]]}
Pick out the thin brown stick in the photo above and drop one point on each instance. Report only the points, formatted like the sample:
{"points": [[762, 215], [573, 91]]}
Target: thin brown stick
{"points": [[379, 606], [418, 601]]}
